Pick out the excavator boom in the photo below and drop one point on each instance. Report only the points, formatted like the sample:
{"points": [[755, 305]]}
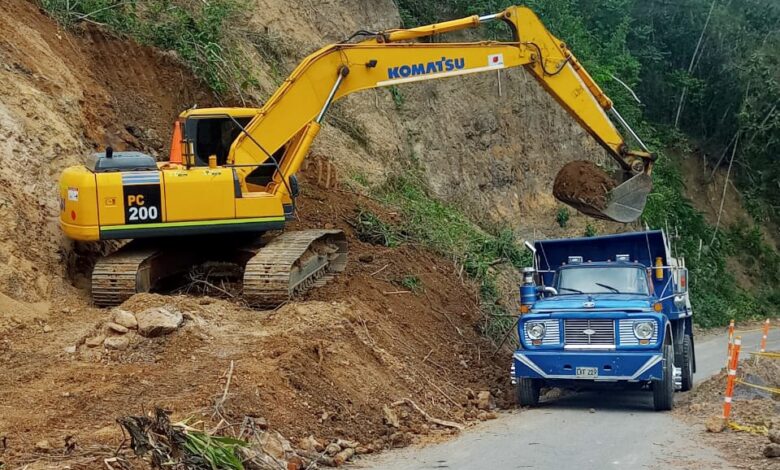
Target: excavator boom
{"points": [[295, 111]]}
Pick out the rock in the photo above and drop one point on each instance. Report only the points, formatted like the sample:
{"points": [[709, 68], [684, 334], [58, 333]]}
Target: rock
{"points": [[310, 444], [95, 341], [366, 258], [119, 343], [364, 450], [470, 394], [47, 329], [158, 321], [774, 436], [124, 318], [343, 456], [345, 444], [117, 328], [332, 449], [273, 443], [715, 424], [553, 394], [260, 422], [70, 349], [485, 401], [43, 445], [295, 463], [772, 451], [592, 410], [390, 417]]}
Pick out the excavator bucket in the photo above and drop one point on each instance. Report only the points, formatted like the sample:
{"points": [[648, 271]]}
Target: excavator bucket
{"points": [[585, 187]]}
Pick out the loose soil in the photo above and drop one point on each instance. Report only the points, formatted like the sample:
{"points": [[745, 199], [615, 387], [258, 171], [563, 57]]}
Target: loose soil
{"points": [[751, 407], [583, 182], [322, 366]]}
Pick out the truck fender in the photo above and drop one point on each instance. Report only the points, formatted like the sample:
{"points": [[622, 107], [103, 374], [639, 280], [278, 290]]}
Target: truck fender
{"points": [[668, 337]]}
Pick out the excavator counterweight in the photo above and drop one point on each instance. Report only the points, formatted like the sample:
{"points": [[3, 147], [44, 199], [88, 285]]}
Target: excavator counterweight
{"points": [[232, 171]]}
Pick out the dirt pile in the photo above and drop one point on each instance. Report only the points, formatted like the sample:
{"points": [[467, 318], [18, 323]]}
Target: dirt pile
{"points": [[755, 412], [326, 367], [582, 182]]}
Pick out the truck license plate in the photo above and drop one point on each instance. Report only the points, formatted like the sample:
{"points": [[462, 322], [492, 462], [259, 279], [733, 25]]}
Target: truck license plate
{"points": [[587, 372]]}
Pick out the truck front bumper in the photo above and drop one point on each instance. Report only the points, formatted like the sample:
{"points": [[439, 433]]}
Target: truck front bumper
{"points": [[612, 366]]}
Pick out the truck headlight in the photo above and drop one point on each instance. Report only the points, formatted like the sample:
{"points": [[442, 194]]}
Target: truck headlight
{"points": [[644, 329], [535, 330]]}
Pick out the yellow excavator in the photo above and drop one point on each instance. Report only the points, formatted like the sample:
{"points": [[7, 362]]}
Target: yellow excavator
{"points": [[232, 171]]}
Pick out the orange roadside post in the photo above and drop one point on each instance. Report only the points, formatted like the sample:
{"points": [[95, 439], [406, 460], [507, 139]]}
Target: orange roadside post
{"points": [[763, 338], [731, 340], [731, 377]]}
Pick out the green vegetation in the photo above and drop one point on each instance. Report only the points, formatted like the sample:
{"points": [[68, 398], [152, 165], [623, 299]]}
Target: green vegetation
{"points": [[215, 451], [590, 230], [398, 97], [449, 232], [371, 229], [562, 216], [731, 96], [196, 31], [412, 283]]}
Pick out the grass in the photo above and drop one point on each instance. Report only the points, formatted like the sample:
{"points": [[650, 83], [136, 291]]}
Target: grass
{"points": [[219, 452], [447, 231], [196, 31], [412, 283], [371, 229]]}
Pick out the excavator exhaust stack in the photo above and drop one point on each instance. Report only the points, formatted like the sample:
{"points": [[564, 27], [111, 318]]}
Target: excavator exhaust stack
{"points": [[592, 191]]}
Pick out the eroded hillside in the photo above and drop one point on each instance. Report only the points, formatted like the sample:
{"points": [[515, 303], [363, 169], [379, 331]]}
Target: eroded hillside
{"points": [[325, 366]]}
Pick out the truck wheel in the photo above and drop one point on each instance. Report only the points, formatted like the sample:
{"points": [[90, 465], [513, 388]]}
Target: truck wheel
{"points": [[663, 390], [687, 364], [527, 392]]}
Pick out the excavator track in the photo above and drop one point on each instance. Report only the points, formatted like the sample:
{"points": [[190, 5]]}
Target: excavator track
{"points": [[119, 275], [291, 264]]}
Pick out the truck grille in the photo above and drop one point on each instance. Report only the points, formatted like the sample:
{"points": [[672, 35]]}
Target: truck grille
{"points": [[603, 332]]}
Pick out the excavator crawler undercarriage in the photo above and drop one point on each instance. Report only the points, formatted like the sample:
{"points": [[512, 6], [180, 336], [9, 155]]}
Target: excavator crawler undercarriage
{"points": [[275, 270]]}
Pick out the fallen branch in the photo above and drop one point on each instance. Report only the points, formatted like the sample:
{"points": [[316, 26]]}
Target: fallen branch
{"points": [[221, 401], [506, 336], [428, 417], [207, 283], [398, 292], [379, 270]]}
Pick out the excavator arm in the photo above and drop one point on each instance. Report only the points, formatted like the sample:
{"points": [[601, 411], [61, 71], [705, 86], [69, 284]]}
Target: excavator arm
{"points": [[291, 118]]}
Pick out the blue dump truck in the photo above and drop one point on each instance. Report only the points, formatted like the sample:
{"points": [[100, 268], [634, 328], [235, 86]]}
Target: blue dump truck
{"points": [[609, 311]]}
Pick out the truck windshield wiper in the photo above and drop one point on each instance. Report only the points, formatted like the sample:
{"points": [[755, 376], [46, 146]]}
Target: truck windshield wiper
{"points": [[607, 287], [571, 290]]}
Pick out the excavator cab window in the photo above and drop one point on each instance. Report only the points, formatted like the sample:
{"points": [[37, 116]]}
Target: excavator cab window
{"points": [[213, 136], [263, 174]]}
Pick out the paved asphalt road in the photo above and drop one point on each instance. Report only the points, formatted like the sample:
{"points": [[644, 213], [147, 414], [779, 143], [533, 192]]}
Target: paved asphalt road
{"points": [[623, 433]]}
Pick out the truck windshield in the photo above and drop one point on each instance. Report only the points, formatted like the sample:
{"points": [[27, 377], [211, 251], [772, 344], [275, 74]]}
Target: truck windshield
{"points": [[603, 280]]}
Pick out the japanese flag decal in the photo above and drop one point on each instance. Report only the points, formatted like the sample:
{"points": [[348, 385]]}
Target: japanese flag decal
{"points": [[496, 60]]}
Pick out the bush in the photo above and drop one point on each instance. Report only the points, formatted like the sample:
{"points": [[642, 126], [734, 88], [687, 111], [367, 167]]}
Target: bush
{"points": [[562, 216]]}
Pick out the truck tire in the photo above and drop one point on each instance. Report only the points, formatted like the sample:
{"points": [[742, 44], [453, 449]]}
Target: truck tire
{"points": [[663, 390], [687, 363], [527, 392]]}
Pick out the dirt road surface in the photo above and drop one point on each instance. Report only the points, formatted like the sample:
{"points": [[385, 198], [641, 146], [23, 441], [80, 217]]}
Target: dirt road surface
{"points": [[623, 432]]}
